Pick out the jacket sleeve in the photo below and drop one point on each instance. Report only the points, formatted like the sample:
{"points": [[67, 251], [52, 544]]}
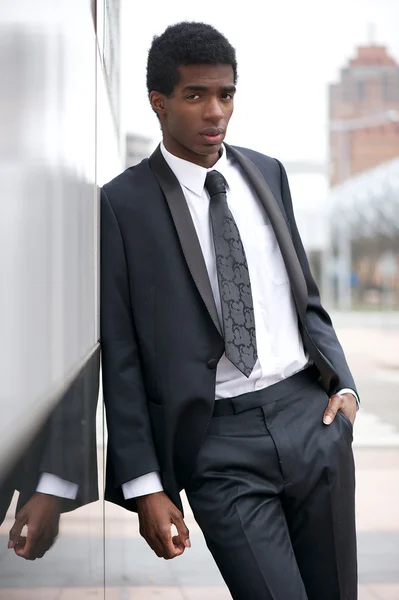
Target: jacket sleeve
{"points": [[70, 448], [130, 443], [318, 321]]}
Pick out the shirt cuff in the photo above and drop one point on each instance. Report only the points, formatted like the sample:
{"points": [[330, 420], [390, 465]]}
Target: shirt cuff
{"points": [[150, 483], [349, 391], [55, 486]]}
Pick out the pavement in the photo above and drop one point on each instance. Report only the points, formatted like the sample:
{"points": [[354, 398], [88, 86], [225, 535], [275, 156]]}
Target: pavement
{"points": [[74, 568]]}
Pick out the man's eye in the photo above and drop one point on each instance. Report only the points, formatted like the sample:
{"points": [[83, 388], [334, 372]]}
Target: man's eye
{"points": [[192, 97], [227, 96]]}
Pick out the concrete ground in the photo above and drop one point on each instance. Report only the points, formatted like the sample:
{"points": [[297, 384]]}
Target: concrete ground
{"points": [[73, 569]]}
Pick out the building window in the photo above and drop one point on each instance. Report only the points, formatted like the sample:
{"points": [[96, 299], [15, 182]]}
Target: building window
{"points": [[361, 90], [390, 88]]}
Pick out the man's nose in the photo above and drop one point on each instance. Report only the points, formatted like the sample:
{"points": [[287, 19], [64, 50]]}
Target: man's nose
{"points": [[213, 110]]}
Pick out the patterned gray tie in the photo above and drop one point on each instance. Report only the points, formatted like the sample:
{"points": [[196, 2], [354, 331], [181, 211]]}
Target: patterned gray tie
{"points": [[233, 277]]}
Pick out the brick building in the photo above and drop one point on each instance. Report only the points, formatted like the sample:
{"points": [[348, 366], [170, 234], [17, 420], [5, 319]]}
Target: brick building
{"points": [[363, 113]]}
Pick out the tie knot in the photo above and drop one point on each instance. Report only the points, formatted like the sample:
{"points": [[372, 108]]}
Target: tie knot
{"points": [[215, 183]]}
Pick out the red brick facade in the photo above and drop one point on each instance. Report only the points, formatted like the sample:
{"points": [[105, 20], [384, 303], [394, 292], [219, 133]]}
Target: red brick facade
{"points": [[368, 89]]}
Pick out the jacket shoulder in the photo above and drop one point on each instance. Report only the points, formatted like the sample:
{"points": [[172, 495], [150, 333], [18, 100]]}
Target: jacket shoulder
{"points": [[132, 185], [262, 161]]}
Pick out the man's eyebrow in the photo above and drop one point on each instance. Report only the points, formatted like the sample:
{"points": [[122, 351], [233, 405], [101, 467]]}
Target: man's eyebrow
{"points": [[195, 88], [204, 88]]}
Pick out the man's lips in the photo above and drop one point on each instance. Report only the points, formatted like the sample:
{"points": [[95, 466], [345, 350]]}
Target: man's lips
{"points": [[212, 135], [212, 131]]}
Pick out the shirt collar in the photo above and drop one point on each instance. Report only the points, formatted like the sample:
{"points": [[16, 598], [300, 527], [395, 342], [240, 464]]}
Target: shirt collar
{"points": [[190, 175]]}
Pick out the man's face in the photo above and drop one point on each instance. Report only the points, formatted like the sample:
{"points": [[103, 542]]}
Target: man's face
{"points": [[195, 118]]}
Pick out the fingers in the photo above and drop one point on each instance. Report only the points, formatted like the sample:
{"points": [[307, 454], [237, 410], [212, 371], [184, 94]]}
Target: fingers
{"points": [[41, 514], [157, 538], [182, 530], [169, 549], [16, 529], [349, 406], [157, 514], [31, 549], [35, 545], [20, 543], [24, 550], [164, 544], [176, 545], [177, 542], [333, 407]]}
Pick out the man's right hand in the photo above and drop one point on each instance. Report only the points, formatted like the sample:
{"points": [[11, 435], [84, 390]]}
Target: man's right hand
{"points": [[41, 514], [157, 514]]}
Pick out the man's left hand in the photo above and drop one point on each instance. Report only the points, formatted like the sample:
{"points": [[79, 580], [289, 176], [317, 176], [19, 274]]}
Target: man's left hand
{"points": [[343, 402], [41, 515]]}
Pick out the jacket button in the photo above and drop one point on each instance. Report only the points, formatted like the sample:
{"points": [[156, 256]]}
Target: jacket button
{"points": [[212, 363]]}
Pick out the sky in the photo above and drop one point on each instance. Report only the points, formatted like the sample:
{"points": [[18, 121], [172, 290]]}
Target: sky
{"points": [[288, 52]]}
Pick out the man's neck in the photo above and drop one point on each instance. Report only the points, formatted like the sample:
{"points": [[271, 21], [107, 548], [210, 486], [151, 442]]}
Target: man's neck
{"points": [[205, 161]]}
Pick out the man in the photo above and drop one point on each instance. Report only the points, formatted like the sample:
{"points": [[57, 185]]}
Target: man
{"points": [[222, 372], [57, 473]]}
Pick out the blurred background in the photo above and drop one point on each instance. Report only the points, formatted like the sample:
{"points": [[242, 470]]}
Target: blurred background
{"points": [[319, 89]]}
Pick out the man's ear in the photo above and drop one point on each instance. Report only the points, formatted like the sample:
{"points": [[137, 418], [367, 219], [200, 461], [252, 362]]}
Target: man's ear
{"points": [[157, 102]]}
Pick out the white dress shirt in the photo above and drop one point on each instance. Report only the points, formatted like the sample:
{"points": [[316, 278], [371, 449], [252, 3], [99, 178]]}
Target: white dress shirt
{"points": [[51, 484], [279, 343]]}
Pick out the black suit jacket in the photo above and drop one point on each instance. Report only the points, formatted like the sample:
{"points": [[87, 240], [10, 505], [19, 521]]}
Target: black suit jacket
{"points": [[64, 446], [161, 338]]}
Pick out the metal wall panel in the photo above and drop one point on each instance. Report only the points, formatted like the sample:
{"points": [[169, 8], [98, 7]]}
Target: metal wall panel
{"points": [[49, 206]]}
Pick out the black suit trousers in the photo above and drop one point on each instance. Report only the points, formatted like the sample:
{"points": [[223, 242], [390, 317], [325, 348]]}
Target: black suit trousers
{"points": [[273, 492]]}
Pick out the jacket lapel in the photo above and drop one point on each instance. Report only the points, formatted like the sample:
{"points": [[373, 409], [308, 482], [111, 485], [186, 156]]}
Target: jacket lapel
{"points": [[186, 231], [280, 226]]}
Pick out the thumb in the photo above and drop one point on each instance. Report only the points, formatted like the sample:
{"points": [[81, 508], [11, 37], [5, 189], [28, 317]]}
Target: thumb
{"points": [[331, 411], [182, 530], [16, 529]]}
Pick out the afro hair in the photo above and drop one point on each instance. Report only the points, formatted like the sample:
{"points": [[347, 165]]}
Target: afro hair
{"points": [[186, 43]]}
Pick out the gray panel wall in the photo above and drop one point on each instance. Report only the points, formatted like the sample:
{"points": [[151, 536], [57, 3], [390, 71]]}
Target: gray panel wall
{"points": [[49, 60]]}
